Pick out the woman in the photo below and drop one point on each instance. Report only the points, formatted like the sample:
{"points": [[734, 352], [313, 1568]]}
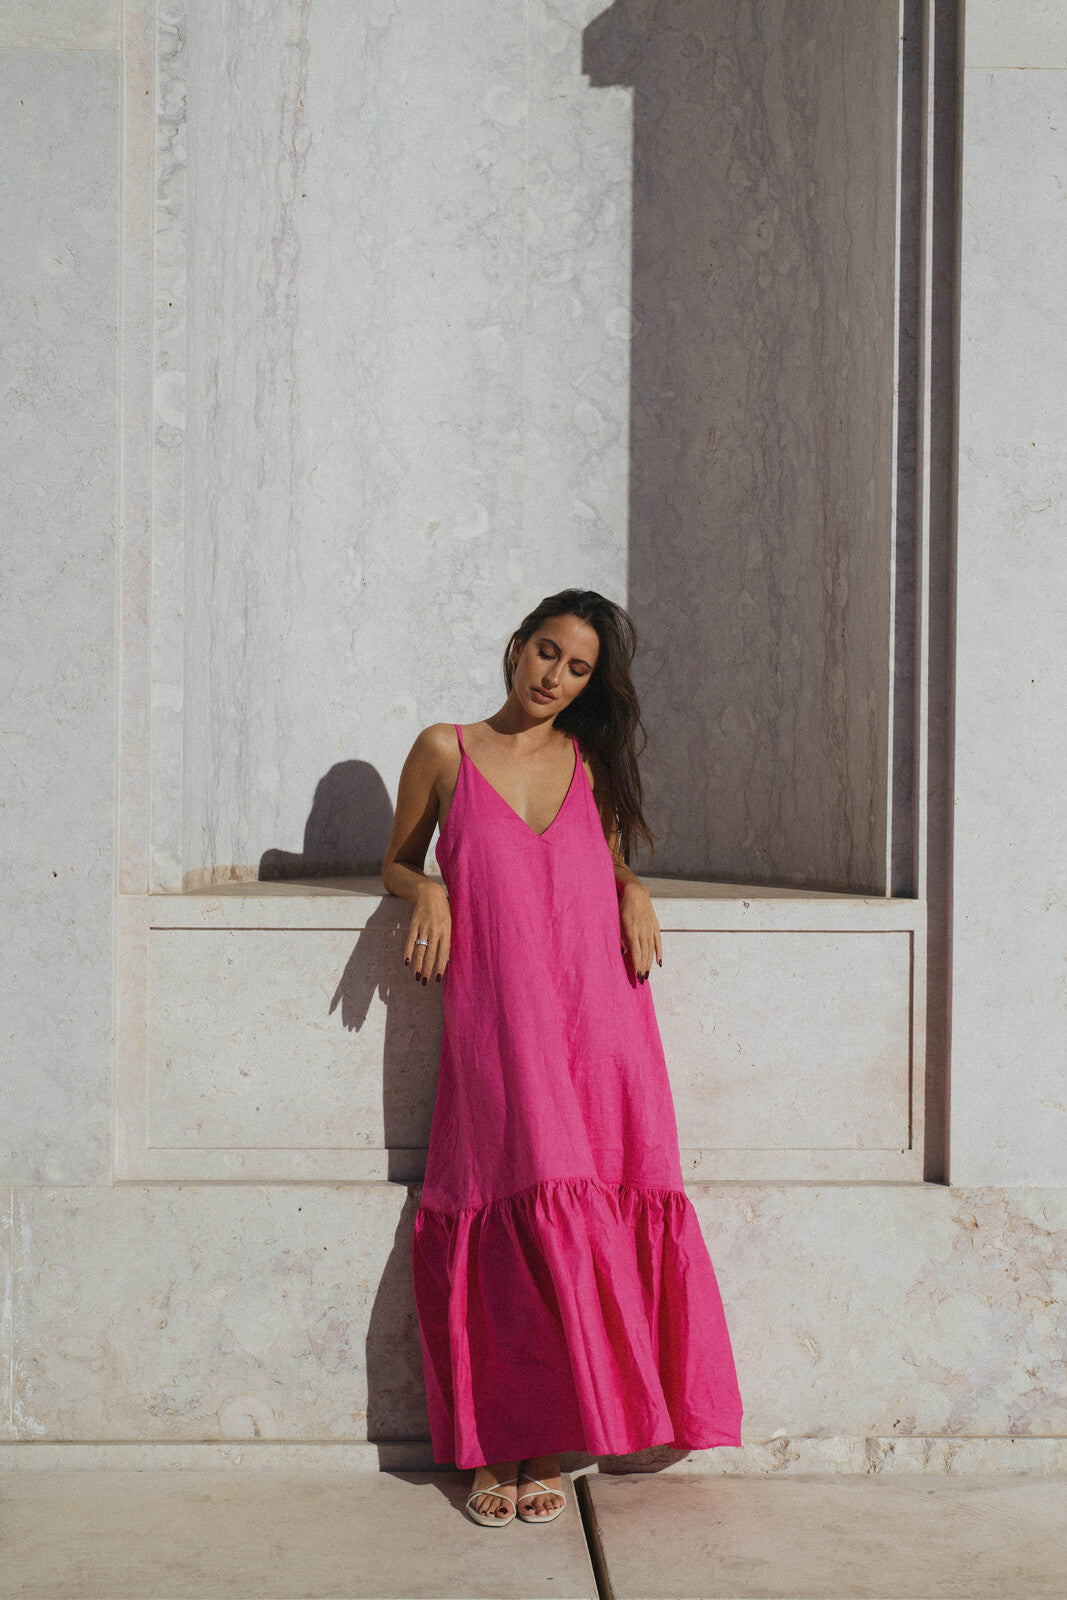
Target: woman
{"points": [[566, 1297]]}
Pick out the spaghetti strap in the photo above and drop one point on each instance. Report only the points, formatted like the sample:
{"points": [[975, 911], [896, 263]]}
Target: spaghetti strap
{"points": [[459, 736]]}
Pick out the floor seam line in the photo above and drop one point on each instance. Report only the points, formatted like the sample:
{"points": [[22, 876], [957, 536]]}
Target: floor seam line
{"points": [[593, 1543]]}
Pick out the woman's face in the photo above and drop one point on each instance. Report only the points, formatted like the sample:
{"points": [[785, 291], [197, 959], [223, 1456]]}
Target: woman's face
{"points": [[555, 664]]}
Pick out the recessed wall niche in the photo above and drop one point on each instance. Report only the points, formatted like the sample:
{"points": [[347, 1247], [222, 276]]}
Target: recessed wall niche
{"points": [[448, 318]]}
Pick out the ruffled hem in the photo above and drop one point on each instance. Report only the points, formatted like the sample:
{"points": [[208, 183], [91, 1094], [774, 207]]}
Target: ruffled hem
{"points": [[572, 1315]]}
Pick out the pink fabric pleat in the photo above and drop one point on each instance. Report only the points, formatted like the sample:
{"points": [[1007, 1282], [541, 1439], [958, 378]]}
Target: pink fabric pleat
{"points": [[566, 1297]]}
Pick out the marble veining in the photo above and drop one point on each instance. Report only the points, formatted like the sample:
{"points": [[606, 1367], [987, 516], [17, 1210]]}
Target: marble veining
{"points": [[607, 299]]}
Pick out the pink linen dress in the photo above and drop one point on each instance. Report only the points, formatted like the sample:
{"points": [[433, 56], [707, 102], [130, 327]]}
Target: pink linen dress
{"points": [[565, 1294]]}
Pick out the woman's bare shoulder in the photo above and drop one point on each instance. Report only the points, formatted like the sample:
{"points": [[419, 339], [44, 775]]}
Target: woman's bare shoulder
{"points": [[430, 766], [435, 748], [438, 736]]}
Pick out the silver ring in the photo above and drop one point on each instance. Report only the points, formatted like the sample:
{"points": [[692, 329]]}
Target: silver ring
{"points": [[422, 941]]}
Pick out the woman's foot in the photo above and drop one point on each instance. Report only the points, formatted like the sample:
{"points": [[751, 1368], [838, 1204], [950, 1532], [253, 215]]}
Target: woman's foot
{"points": [[497, 1504], [540, 1504]]}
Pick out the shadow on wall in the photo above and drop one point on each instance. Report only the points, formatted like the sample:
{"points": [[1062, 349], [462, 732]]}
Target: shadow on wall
{"points": [[761, 493], [347, 830], [761, 430], [772, 594]]}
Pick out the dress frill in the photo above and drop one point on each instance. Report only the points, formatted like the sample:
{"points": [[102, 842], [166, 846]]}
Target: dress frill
{"points": [[573, 1315]]}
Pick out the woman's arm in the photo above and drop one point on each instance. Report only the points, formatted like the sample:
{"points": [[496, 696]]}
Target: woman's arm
{"points": [[402, 868]]}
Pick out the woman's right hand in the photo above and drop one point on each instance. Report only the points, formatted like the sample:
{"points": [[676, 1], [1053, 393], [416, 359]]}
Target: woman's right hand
{"points": [[431, 920]]}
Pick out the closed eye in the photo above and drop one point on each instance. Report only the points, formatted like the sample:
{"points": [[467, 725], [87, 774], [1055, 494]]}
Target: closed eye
{"points": [[551, 657]]}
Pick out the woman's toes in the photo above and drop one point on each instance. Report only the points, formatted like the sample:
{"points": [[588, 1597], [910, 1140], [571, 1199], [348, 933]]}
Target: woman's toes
{"points": [[541, 1503]]}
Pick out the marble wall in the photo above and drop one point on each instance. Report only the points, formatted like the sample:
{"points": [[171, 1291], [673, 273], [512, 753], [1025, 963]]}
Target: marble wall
{"points": [[910, 1314], [761, 533], [269, 1032], [179, 591], [451, 317], [60, 198], [1009, 906]]}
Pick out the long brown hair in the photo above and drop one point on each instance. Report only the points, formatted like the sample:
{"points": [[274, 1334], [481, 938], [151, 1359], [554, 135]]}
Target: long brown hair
{"points": [[605, 717]]}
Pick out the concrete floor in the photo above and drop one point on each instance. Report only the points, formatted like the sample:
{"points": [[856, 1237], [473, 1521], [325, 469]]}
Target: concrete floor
{"points": [[124, 1534], [912, 1537]]}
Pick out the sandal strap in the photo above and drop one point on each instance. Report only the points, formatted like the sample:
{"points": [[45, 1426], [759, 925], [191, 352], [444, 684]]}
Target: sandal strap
{"points": [[531, 1494], [490, 1487]]}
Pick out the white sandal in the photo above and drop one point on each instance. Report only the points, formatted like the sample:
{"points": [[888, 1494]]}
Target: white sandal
{"points": [[480, 1516], [531, 1494]]}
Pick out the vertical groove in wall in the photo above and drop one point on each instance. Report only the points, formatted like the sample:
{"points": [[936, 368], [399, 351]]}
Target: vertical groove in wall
{"points": [[907, 530], [10, 1315], [133, 643], [944, 225]]}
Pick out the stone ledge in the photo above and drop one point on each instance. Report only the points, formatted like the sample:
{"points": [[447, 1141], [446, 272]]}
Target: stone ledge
{"points": [[935, 1455]]}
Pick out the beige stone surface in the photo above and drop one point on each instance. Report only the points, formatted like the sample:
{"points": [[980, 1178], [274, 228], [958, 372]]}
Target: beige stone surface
{"points": [[826, 1068], [878, 1328], [1028, 34], [261, 1039], [61, 25], [60, 215], [128, 1535], [234, 1534], [778, 1456], [847, 1538], [274, 1036], [239, 1312], [524, 296], [7, 1252], [920, 1310], [1008, 1111], [224, 899], [216, 1312]]}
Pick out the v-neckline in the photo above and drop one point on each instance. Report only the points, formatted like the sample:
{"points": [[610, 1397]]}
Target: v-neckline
{"points": [[511, 808]]}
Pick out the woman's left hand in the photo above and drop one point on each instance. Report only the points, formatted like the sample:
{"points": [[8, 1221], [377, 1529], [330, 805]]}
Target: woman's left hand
{"points": [[640, 928]]}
